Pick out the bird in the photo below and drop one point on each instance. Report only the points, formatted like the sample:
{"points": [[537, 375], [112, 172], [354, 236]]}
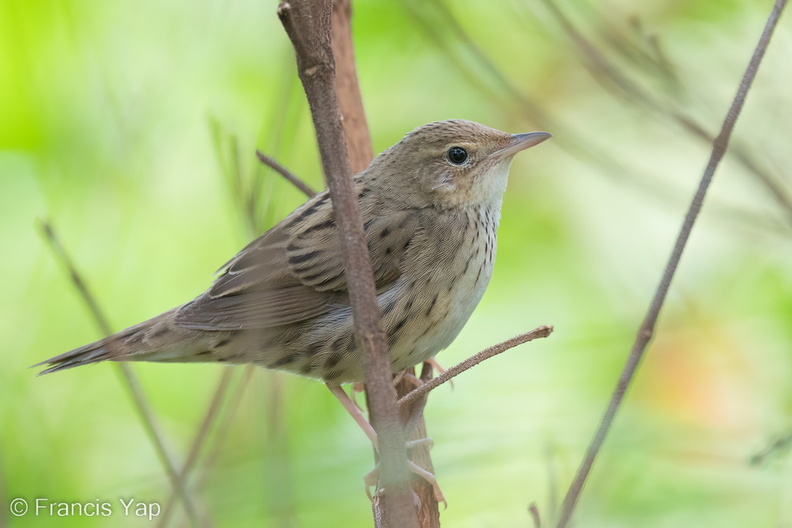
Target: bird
{"points": [[431, 207]]}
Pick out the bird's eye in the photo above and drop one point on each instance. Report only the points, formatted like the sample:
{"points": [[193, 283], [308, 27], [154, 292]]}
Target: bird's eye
{"points": [[457, 155]]}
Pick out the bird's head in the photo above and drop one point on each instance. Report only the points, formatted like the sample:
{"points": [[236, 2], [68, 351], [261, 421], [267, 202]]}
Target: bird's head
{"points": [[450, 164]]}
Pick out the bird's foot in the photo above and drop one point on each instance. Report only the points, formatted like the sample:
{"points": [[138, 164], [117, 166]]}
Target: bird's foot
{"points": [[372, 477], [371, 480]]}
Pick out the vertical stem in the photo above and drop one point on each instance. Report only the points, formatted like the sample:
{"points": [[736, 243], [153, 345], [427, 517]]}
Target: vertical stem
{"points": [[358, 140], [350, 102], [308, 24]]}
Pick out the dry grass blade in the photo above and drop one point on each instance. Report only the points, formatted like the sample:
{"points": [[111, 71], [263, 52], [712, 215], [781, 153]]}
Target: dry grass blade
{"points": [[645, 332], [130, 380]]}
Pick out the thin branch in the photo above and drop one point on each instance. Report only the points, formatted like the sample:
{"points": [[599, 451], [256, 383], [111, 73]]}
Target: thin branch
{"points": [[471, 62], [646, 330], [286, 173], [533, 510], [618, 83], [308, 25], [778, 447], [360, 153], [481, 72], [144, 410], [225, 423], [456, 370], [197, 444], [279, 477]]}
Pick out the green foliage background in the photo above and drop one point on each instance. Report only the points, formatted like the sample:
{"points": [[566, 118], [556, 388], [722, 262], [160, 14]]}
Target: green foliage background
{"points": [[122, 122]]}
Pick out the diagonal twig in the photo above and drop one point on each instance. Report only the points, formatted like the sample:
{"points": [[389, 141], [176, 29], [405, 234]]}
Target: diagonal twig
{"points": [[621, 85], [246, 195], [224, 423], [210, 415], [469, 60], [130, 380], [646, 329], [456, 370], [286, 173], [778, 447]]}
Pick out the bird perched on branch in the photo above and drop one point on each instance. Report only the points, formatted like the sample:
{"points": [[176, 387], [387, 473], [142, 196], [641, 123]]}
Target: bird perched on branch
{"points": [[430, 205]]}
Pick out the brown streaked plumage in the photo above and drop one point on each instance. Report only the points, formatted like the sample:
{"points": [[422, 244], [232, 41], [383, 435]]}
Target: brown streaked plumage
{"points": [[431, 207]]}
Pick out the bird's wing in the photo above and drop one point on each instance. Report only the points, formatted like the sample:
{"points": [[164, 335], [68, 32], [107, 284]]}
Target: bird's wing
{"points": [[296, 271]]}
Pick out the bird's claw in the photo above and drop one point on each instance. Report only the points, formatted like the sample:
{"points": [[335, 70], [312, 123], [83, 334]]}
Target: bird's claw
{"points": [[371, 479]]}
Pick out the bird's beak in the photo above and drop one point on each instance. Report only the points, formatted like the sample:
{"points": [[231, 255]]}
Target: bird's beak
{"points": [[520, 142]]}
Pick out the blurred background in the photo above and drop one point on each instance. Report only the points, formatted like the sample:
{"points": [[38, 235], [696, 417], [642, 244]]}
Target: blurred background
{"points": [[132, 127]]}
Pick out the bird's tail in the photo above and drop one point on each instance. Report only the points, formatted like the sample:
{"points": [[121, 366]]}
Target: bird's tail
{"points": [[157, 339]]}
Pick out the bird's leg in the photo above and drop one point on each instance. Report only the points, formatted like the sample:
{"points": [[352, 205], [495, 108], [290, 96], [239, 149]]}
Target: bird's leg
{"points": [[439, 368], [357, 415], [412, 415], [406, 375], [354, 411], [356, 388], [372, 477]]}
